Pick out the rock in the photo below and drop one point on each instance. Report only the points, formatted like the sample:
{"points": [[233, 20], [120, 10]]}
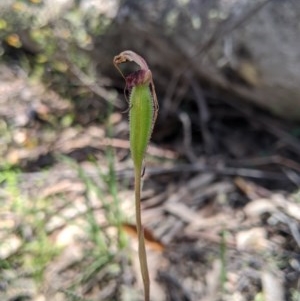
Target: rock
{"points": [[249, 48]]}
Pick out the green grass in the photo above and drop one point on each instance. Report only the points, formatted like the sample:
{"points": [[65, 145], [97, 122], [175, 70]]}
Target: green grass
{"points": [[36, 253], [102, 247], [105, 248], [295, 294]]}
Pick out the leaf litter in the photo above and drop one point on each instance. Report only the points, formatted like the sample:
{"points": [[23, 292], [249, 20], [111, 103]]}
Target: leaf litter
{"points": [[223, 222]]}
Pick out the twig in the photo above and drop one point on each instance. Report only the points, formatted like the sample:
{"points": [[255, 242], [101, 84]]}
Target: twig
{"points": [[152, 150], [293, 226], [265, 123], [229, 171], [187, 136], [204, 115], [167, 104], [83, 142], [258, 161], [227, 26], [92, 85], [293, 176], [224, 28]]}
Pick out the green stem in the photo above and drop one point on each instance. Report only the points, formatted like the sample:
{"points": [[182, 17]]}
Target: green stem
{"points": [[140, 233]]}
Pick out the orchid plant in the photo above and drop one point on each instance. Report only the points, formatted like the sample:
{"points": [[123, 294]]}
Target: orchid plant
{"points": [[143, 109]]}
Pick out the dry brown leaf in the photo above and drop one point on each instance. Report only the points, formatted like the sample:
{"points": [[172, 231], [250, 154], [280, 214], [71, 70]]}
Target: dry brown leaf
{"points": [[292, 209], [183, 212], [258, 207], [150, 239], [272, 284], [251, 190], [61, 187], [254, 239]]}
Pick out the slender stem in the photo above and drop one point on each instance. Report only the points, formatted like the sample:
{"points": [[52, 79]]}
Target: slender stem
{"points": [[140, 233], [142, 116]]}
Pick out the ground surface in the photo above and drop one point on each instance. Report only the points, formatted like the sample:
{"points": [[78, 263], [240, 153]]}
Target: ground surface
{"points": [[220, 200]]}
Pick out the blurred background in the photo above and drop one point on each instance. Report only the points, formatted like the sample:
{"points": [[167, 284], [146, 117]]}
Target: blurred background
{"points": [[221, 201]]}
